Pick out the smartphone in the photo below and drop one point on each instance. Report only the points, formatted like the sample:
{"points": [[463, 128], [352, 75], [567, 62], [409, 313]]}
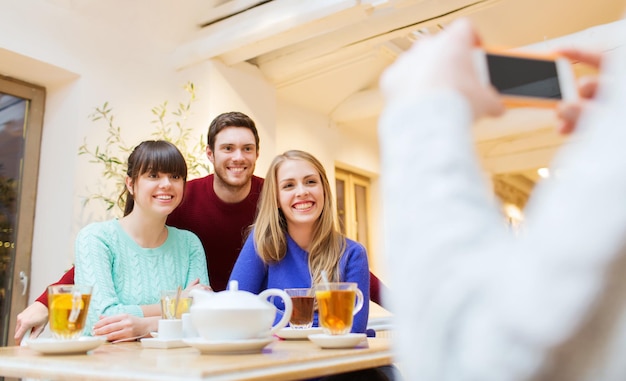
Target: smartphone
{"points": [[527, 79]]}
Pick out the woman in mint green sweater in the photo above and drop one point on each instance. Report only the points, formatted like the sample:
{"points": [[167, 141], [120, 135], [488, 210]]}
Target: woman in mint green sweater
{"points": [[128, 261]]}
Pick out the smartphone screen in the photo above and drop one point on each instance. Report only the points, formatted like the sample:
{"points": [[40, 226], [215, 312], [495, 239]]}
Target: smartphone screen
{"points": [[526, 77]]}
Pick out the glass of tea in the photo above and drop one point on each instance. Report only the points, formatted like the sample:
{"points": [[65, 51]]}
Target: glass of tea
{"points": [[68, 305], [303, 301], [169, 309], [337, 303]]}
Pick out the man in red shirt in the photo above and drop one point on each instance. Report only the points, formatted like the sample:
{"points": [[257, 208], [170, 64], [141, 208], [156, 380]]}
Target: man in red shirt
{"points": [[218, 208]]}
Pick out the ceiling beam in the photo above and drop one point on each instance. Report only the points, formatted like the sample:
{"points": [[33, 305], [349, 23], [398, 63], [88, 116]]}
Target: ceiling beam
{"points": [[295, 35], [381, 26], [605, 37], [227, 9], [269, 20], [528, 141], [360, 105], [519, 161]]}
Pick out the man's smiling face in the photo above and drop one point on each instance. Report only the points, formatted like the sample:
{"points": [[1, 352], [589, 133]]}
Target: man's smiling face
{"points": [[234, 157]]}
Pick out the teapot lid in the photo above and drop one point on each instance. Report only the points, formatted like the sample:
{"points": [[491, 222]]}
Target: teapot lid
{"points": [[233, 298]]}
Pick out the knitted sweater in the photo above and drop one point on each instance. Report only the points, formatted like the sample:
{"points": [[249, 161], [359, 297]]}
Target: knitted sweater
{"points": [[125, 276], [221, 226]]}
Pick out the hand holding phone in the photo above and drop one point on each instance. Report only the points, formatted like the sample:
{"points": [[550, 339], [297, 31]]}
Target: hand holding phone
{"points": [[527, 79], [568, 112]]}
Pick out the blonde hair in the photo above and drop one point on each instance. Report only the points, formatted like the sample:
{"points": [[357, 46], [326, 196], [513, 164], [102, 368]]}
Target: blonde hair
{"points": [[270, 228]]}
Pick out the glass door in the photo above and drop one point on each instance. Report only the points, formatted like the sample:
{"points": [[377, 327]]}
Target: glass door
{"points": [[352, 194], [12, 117], [21, 115]]}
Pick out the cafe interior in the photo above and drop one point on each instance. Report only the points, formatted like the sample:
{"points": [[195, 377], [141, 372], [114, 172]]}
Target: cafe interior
{"points": [[306, 71]]}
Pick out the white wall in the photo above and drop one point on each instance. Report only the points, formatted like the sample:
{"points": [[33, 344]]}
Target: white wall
{"points": [[244, 89], [83, 63]]}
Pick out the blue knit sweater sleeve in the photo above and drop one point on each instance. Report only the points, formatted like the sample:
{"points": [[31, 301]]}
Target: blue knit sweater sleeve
{"points": [[249, 270]]}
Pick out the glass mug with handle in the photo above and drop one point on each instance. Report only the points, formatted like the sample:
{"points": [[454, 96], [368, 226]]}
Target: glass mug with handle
{"points": [[337, 303], [67, 309], [303, 301]]}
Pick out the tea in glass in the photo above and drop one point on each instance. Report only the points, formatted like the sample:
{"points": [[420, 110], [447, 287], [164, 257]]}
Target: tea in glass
{"points": [[337, 304], [67, 310], [169, 310], [303, 301]]}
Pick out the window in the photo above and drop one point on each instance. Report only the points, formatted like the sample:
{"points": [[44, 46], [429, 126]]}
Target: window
{"points": [[353, 192]]}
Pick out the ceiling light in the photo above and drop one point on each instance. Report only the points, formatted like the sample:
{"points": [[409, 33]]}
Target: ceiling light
{"points": [[544, 172]]}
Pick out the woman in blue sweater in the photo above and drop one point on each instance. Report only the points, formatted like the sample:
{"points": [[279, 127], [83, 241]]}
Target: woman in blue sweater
{"points": [[295, 235]]}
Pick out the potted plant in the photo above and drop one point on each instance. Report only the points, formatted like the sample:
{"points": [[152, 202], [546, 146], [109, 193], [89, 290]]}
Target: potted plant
{"points": [[111, 155]]}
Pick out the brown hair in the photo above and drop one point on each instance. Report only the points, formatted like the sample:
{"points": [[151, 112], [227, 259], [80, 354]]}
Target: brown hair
{"points": [[152, 156], [231, 119], [270, 227]]}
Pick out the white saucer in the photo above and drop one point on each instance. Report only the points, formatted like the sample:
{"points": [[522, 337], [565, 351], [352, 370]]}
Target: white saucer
{"points": [[154, 334], [153, 342], [350, 340], [289, 333], [227, 347], [58, 346]]}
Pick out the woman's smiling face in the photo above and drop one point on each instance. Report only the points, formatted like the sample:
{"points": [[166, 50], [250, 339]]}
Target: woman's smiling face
{"points": [[300, 192], [158, 192]]}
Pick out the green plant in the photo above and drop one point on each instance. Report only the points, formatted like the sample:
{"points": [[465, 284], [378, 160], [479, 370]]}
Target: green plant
{"points": [[112, 154]]}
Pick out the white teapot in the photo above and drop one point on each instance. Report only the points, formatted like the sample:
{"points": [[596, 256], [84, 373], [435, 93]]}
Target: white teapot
{"points": [[237, 315]]}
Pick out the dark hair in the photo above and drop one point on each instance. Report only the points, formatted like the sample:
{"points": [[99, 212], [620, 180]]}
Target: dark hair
{"points": [[231, 119], [152, 156]]}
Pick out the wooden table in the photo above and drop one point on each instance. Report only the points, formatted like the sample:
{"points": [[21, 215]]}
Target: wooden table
{"points": [[281, 360]]}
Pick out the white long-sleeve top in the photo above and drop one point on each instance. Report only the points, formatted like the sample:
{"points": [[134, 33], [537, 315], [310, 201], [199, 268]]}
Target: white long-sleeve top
{"points": [[472, 300]]}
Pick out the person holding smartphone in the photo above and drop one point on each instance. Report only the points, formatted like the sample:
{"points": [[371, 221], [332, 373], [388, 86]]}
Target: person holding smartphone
{"points": [[472, 300]]}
